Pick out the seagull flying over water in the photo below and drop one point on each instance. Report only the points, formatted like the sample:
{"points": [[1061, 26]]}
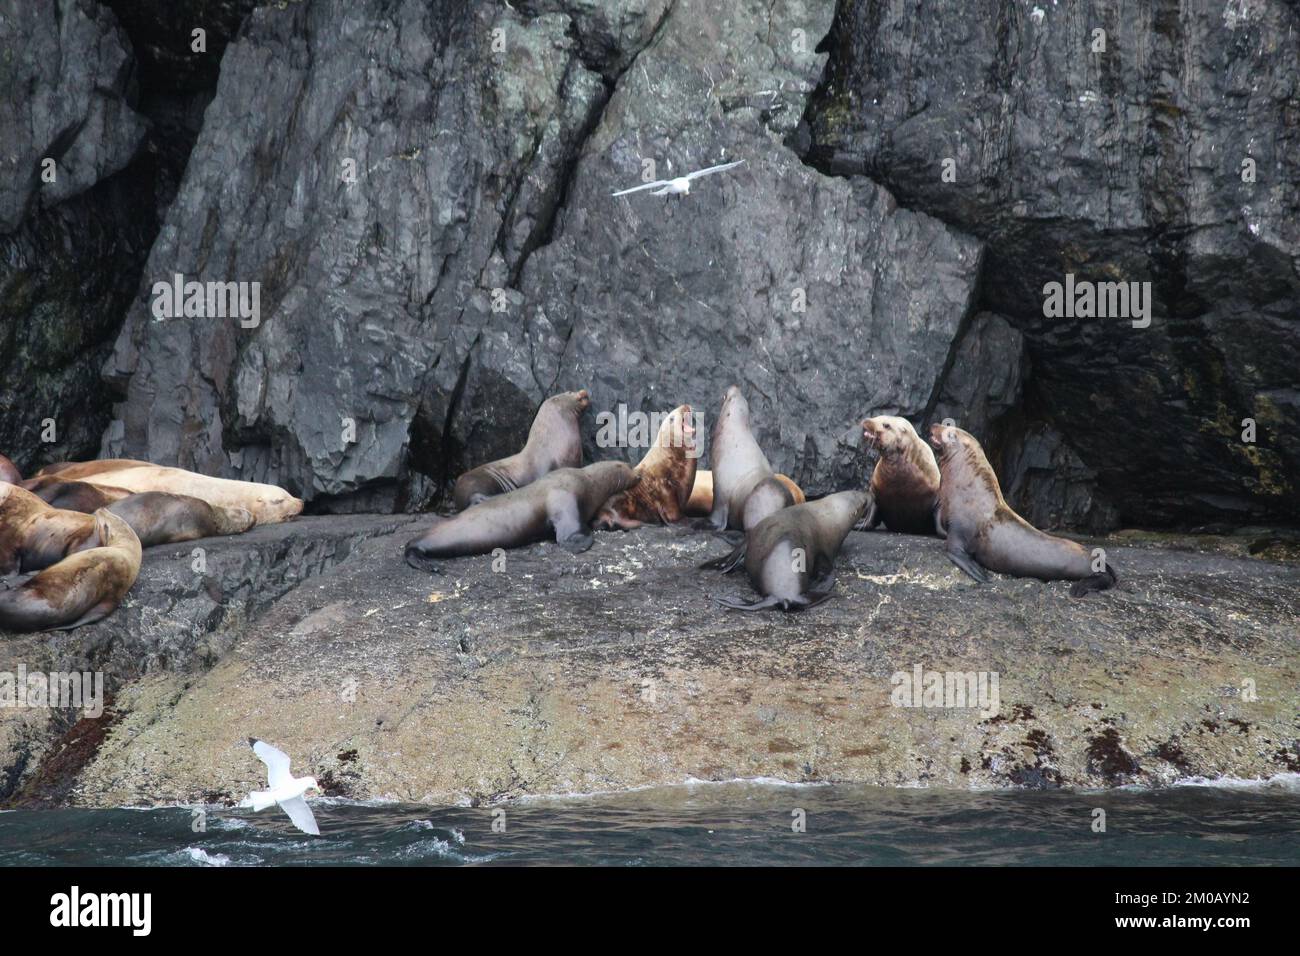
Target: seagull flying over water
{"points": [[284, 788], [681, 186]]}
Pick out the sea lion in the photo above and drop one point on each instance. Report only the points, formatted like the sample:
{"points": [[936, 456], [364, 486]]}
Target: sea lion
{"points": [[554, 441], [9, 471], [905, 481], [700, 502], [82, 588], [790, 555], [984, 532], [34, 536], [157, 517], [268, 504], [561, 503], [739, 465], [667, 474]]}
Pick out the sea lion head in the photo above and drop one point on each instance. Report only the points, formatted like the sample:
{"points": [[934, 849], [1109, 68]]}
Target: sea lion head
{"points": [[678, 430], [273, 504], [949, 439], [889, 434], [575, 403], [735, 408]]}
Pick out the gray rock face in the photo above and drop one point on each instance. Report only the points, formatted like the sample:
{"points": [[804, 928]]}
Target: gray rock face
{"points": [[1123, 165], [65, 67], [370, 290], [438, 299], [71, 249]]}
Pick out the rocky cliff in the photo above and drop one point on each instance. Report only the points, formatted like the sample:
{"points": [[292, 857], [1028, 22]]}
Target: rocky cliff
{"points": [[421, 191]]}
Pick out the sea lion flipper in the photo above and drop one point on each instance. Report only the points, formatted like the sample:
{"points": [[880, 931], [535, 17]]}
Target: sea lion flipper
{"points": [[939, 529], [960, 557], [417, 559], [870, 520], [728, 562], [1101, 581], [759, 605], [577, 542]]}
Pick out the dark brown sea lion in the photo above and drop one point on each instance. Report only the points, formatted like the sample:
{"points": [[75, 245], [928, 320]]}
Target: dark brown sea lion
{"points": [[790, 555], [74, 495], [984, 532], [82, 588], [9, 472], [905, 481], [268, 504], [554, 441], [667, 474], [739, 465], [34, 536], [157, 517], [561, 503]]}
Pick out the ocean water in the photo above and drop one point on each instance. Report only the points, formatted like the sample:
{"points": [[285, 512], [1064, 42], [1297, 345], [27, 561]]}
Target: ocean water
{"points": [[740, 823]]}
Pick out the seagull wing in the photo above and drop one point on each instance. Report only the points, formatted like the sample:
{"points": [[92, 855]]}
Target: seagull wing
{"points": [[301, 815], [713, 169], [637, 189], [277, 764]]}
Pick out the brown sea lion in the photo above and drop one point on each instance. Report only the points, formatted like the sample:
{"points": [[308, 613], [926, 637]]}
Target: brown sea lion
{"points": [[268, 504], [34, 536], [984, 532], [905, 481], [157, 517], [739, 465], [554, 441], [560, 503], [82, 588], [667, 474], [790, 555], [9, 471]]}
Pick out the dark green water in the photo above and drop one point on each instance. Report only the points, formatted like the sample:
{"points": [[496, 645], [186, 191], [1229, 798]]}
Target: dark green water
{"points": [[715, 824]]}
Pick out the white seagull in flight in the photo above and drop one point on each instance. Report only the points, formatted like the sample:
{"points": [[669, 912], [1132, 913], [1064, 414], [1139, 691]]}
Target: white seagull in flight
{"points": [[284, 788], [681, 186]]}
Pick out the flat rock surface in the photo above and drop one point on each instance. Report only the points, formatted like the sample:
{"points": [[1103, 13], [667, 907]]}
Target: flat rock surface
{"points": [[614, 669]]}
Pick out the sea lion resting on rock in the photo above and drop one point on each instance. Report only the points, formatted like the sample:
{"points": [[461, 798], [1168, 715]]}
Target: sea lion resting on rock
{"points": [[739, 465], [905, 481], [667, 475], [267, 504], [560, 503], [790, 555], [157, 517], [984, 532], [554, 441], [82, 588], [34, 536]]}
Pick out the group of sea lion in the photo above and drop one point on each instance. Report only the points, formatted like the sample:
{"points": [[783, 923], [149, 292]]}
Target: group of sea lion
{"points": [[788, 545], [72, 534]]}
